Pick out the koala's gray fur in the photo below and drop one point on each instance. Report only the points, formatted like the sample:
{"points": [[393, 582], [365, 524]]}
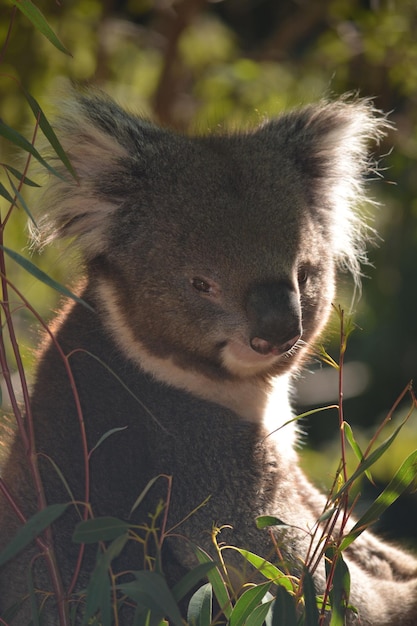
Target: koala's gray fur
{"points": [[210, 265]]}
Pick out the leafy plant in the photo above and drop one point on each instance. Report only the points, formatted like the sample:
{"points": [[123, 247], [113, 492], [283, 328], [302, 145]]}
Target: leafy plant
{"points": [[282, 598]]}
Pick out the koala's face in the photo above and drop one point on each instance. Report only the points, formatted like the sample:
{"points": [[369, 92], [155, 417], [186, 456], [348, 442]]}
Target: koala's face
{"points": [[221, 264], [219, 251]]}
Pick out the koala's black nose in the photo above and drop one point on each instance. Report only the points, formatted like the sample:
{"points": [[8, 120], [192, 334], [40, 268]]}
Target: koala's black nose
{"points": [[274, 316]]}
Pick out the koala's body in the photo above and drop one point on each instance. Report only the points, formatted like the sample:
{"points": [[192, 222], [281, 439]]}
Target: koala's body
{"points": [[209, 269]]}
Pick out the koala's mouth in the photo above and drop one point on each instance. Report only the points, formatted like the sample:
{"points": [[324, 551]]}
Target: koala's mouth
{"points": [[240, 359]]}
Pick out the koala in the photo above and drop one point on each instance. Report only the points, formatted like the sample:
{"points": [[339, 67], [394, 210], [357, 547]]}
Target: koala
{"points": [[209, 267]]}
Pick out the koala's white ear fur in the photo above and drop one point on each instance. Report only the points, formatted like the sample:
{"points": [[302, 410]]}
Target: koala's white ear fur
{"points": [[88, 129], [329, 143]]}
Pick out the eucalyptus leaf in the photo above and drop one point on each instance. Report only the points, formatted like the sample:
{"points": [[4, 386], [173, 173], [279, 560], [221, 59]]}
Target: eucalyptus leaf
{"points": [[42, 276], [20, 176], [247, 602], [190, 580], [99, 529], [200, 607], [369, 461], [219, 586], [270, 571], [32, 529], [99, 590], [284, 610], [403, 478], [151, 590], [38, 20], [49, 133], [259, 614], [21, 142], [340, 587], [310, 602]]}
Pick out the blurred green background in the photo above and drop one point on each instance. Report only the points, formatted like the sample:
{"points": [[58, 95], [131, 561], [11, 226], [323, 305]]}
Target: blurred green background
{"points": [[195, 65]]}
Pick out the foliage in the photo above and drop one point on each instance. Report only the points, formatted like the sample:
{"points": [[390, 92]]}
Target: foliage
{"points": [[208, 71], [195, 64]]}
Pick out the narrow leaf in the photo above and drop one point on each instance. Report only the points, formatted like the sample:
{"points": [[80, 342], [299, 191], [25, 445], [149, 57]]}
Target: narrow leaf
{"points": [[99, 529], [65, 483], [49, 133], [98, 596], [38, 273], [309, 592], [38, 20], [247, 602], [21, 142], [32, 529], [369, 461], [143, 493], [20, 177], [109, 433], [219, 586], [263, 521], [5, 194], [340, 589], [22, 201], [152, 587], [190, 580], [284, 611], [270, 571], [355, 447], [259, 614], [403, 478], [200, 607]]}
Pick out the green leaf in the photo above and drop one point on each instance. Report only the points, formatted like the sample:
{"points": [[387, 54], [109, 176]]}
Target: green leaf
{"points": [[21, 142], [270, 571], [38, 20], [151, 591], [106, 435], [99, 590], [65, 483], [247, 602], [309, 592], [355, 447], [219, 586], [99, 529], [22, 201], [264, 521], [49, 133], [20, 177], [284, 611], [403, 478], [5, 194], [369, 461], [200, 607], [32, 529], [38, 273], [143, 493], [340, 588], [190, 580], [259, 614]]}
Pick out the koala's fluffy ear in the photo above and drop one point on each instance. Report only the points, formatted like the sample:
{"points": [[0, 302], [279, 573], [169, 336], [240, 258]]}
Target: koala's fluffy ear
{"points": [[107, 148], [329, 145]]}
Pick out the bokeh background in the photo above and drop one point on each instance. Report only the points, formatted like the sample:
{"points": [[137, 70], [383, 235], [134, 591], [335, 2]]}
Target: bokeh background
{"points": [[197, 65]]}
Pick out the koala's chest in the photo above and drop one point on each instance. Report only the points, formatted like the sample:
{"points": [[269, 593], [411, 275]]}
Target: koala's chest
{"points": [[208, 452]]}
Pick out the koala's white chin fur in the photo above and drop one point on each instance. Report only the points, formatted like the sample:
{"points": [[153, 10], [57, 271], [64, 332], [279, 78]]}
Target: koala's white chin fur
{"points": [[253, 401]]}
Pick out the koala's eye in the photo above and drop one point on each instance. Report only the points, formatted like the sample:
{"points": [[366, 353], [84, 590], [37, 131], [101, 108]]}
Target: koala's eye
{"points": [[303, 274], [201, 285]]}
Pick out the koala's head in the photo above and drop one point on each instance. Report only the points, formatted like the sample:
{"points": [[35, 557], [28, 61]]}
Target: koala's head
{"points": [[221, 250]]}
